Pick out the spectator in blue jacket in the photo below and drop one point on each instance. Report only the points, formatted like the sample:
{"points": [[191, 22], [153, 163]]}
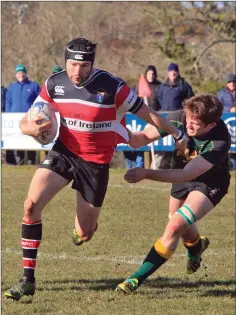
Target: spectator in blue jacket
{"points": [[19, 98], [171, 95], [3, 97], [227, 94], [174, 91], [21, 93]]}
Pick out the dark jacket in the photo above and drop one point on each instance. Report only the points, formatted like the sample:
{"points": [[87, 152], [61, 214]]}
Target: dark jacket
{"points": [[227, 98], [20, 96], [171, 97], [3, 97], [152, 100], [154, 87]]}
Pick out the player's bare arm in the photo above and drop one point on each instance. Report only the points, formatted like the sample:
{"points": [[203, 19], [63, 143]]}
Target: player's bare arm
{"points": [[144, 137], [193, 169], [33, 127], [151, 117]]}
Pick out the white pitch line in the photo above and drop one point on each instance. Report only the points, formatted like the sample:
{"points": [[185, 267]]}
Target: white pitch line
{"points": [[116, 259], [139, 187], [64, 256]]}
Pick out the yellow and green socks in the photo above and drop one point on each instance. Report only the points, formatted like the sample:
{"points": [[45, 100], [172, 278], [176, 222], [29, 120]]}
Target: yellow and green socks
{"points": [[157, 256]]}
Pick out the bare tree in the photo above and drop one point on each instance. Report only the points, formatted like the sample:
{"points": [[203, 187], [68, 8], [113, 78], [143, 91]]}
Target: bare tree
{"points": [[130, 35]]}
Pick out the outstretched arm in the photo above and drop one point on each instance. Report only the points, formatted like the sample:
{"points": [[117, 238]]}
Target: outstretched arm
{"points": [[144, 137], [193, 169], [150, 116]]}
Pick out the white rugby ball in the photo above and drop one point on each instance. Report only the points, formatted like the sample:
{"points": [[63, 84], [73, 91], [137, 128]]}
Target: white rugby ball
{"points": [[44, 111]]}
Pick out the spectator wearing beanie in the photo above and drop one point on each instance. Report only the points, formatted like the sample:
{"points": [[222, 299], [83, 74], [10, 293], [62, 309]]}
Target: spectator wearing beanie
{"points": [[171, 95], [19, 98], [56, 69], [174, 90], [21, 93]]}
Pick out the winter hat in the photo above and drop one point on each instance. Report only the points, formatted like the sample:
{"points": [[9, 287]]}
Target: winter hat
{"points": [[173, 67], [230, 78], [56, 69], [20, 67]]}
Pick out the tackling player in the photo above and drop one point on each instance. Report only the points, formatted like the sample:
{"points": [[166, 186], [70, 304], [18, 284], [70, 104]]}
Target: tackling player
{"points": [[200, 179], [92, 104]]}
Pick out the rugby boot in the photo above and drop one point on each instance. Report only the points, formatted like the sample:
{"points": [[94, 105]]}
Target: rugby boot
{"points": [[128, 286], [24, 287], [194, 262]]}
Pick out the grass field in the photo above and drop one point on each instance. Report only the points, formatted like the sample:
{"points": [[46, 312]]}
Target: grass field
{"points": [[72, 280]]}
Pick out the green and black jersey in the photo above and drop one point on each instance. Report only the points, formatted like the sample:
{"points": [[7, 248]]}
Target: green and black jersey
{"points": [[213, 147]]}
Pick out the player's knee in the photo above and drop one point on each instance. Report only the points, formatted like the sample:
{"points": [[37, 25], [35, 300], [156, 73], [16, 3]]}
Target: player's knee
{"points": [[186, 214], [170, 216], [29, 208]]}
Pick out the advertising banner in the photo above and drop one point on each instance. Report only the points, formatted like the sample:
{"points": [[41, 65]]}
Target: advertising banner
{"points": [[12, 138]]}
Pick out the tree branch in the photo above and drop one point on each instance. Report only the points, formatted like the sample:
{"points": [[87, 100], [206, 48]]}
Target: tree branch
{"points": [[212, 44]]}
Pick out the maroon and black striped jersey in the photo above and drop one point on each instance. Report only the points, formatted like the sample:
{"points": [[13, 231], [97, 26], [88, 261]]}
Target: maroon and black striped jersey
{"points": [[92, 115]]}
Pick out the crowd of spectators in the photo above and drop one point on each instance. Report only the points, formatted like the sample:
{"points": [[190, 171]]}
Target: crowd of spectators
{"points": [[169, 96]]}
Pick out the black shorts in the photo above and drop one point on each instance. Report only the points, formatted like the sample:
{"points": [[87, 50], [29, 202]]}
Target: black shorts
{"points": [[214, 194], [89, 178]]}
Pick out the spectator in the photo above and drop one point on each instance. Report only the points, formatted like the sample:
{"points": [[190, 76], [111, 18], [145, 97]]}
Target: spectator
{"points": [[171, 95], [174, 91], [19, 97], [227, 94], [56, 69], [148, 87], [3, 97]]}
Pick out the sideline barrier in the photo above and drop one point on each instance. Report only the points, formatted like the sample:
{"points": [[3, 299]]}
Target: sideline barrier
{"points": [[12, 138]]}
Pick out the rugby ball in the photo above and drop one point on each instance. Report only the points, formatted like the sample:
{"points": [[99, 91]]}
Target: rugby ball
{"points": [[44, 110]]}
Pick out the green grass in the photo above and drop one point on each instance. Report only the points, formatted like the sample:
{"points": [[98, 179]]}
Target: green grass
{"points": [[81, 280]]}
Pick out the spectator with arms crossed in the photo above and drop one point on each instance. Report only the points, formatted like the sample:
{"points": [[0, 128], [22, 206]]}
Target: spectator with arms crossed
{"points": [[92, 104], [200, 179]]}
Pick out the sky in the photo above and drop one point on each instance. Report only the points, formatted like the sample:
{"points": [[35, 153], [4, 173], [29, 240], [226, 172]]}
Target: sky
{"points": [[199, 3]]}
